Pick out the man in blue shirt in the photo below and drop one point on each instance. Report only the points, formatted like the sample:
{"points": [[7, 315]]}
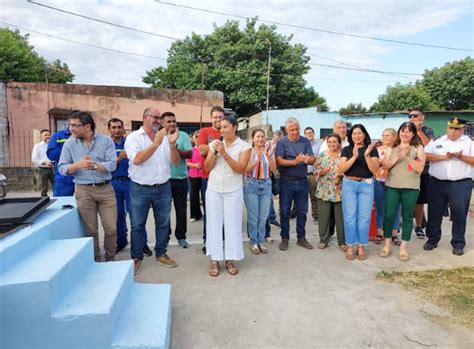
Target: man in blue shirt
{"points": [[63, 185], [293, 155], [179, 178], [121, 184], [90, 158]]}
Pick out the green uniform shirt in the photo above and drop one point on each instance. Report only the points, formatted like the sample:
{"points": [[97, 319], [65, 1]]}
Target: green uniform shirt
{"points": [[180, 171]]}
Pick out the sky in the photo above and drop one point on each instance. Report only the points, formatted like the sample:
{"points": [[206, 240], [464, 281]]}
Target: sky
{"points": [[434, 22]]}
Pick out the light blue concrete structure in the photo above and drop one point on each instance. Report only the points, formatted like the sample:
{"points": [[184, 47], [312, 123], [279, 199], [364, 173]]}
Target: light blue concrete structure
{"points": [[53, 294], [322, 122]]}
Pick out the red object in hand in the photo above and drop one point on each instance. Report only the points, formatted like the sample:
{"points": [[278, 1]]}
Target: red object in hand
{"points": [[373, 225]]}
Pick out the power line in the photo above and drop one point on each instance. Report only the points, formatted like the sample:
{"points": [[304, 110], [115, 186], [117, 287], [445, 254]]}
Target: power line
{"points": [[316, 29], [103, 21]]}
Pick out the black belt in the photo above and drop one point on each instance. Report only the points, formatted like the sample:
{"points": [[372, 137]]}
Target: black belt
{"points": [[448, 181], [100, 184], [292, 178], [121, 178], [153, 185]]}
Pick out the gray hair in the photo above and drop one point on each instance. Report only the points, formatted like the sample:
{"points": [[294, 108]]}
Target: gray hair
{"points": [[337, 122], [291, 120]]}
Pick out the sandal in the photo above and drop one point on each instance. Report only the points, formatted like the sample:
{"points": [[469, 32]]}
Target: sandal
{"points": [[231, 268], [362, 256], [322, 246], [343, 247], [396, 240], [214, 271], [378, 239], [349, 255], [384, 253], [404, 257]]}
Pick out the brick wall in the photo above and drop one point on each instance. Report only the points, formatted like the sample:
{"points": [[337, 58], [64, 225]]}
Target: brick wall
{"points": [[21, 178]]}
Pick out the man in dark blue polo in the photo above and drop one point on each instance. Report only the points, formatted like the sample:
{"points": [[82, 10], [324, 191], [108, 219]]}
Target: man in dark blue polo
{"points": [[293, 155], [121, 184], [63, 185]]}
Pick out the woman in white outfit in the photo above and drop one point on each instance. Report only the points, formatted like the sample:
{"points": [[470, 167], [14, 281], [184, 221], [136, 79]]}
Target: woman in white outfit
{"points": [[226, 162]]}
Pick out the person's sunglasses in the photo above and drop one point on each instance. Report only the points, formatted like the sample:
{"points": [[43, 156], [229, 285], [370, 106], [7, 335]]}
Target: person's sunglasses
{"points": [[411, 116]]}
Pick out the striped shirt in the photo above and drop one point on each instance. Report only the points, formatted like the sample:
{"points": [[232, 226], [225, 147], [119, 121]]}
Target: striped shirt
{"points": [[261, 169]]}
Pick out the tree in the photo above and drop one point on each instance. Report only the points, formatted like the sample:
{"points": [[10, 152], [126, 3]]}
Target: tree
{"points": [[19, 62], [316, 100], [236, 63], [403, 97], [452, 85], [353, 108]]}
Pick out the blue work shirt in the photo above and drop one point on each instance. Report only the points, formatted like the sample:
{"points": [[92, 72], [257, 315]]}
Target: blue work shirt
{"points": [[289, 150], [122, 165], [53, 153], [102, 151]]}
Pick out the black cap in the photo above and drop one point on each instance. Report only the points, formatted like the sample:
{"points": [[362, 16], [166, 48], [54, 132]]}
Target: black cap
{"points": [[456, 122]]}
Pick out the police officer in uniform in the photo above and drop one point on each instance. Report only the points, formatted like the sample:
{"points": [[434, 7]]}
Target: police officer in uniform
{"points": [[452, 161]]}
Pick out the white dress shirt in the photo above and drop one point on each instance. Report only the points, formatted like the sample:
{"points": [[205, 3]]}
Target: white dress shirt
{"points": [[38, 155], [324, 146], [156, 170], [453, 169], [222, 178]]}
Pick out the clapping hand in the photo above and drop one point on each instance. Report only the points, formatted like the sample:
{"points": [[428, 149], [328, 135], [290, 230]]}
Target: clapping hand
{"points": [[159, 137], [300, 158], [369, 149], [85, 163], [173, 137], [324, 171]]}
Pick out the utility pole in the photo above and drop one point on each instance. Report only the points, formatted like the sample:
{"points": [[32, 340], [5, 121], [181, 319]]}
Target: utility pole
{"points": [[268, 76], [202, 93]]}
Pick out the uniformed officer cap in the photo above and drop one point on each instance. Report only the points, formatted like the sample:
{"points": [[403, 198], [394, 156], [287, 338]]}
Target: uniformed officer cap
{"points": [[456, 122]]}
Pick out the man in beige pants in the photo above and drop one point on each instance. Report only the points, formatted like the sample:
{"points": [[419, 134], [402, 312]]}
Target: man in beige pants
{"points": [[90, 158]]}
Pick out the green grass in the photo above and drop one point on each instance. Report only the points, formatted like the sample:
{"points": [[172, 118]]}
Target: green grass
{"points": [[451, 289]]}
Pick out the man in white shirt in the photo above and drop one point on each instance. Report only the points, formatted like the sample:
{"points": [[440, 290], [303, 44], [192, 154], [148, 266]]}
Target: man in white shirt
{"points": [[40, 160], [452, 161], [339, 127], [150, 151]]}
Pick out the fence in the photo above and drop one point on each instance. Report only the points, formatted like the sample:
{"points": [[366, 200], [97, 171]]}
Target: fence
{"points": [[16, 147]]}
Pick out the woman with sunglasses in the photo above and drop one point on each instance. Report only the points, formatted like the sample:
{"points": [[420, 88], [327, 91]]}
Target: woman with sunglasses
{"points": [[359, 163], [226, 162], [404, 163]]}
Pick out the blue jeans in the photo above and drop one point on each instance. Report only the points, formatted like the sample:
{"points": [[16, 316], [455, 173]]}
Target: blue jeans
{"points": [[271, 219], [142, 198], [379, 196], [296, 190], [257, 197], [357, 202], [122, 197]]}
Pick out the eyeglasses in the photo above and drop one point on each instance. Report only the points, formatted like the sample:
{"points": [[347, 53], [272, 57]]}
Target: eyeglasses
{"points": [[411, 116], [75, 125], [156, 117]]}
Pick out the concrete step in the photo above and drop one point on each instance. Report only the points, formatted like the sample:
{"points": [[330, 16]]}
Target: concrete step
{"points": [[146, 318], [54, 223], [49, 272], [94, 305]]}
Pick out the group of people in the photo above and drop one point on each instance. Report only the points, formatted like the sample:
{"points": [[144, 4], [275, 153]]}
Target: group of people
{"points": [[343, 177]]}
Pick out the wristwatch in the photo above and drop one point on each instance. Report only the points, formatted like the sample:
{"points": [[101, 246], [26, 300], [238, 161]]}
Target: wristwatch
{"points": [[94, 166]]}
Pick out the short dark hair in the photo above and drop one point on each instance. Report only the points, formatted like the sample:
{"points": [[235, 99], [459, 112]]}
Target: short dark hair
{"points": [[167, 114], [367, 139], [418, 109], [84, 117], [217, 108], [254, 132], [308, 128], [114, 120], [334, 135], [44, 130]]}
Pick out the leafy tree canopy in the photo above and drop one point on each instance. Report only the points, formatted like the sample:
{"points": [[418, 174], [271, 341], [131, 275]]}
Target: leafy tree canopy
{"points": [[236, 62], [403, 97], [353, 108], [452, 85], [19, 62]]}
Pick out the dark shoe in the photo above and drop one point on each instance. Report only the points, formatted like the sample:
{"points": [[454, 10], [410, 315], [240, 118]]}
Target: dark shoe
{"points": [[283, 244], [304, 243], [120, 248], [204, 249], [458, 251], [183, 243], [293, 215], [420, 234], [276, 224], [429, 246], [147, 251]]}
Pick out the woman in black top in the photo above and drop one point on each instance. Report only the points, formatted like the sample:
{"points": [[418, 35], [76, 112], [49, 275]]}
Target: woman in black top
{"points": [[359, 163]]}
